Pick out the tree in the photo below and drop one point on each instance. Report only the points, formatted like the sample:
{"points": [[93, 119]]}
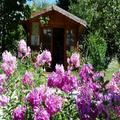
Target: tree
{"points": [[38, 5], [103, 17], [12, 12], [64, 4]]}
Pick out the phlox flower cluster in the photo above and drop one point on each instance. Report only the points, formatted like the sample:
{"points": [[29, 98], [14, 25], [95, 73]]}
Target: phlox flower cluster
{"points": [[114, 84], [94, 98], [3, 100], [41, 114], [19, 113], [74, 61], [9, 63], [86, 73], [43, 59], [23, 49], [27, 78], [44, 96], [62, 80], [2, 82]]}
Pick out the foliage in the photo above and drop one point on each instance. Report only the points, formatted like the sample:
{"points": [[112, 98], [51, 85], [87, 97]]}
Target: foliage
{"points": [[12, 12], [96, 51], [102, 17], [64, 4]]}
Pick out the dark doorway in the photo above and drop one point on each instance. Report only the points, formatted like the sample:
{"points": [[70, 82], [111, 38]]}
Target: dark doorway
{"points": [[58, 47]]}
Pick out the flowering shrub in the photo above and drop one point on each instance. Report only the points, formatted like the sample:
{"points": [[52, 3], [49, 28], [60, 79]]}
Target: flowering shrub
{"points": [[43, 58], [9, 63], [23, 50], [27, 93]]}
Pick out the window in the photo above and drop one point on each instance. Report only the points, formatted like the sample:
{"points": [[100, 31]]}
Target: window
{"points": [[69, 39], [47, 39], [35, 34]]}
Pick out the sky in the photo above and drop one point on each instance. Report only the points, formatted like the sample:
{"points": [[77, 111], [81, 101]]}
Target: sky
{"points": [[49, 1]]}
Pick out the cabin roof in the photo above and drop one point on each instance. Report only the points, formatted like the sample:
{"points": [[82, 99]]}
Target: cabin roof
{"points": [[61, 11]]}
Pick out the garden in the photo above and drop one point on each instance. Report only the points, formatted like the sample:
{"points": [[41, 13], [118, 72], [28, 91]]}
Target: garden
{"points": [[28, 92]]}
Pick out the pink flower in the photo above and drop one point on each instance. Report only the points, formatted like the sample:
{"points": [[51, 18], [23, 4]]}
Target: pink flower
{"points": [[59, 69], [2, 79], [8, 58], [114, 84], [86, 73], [9, 63], [41, 114], [74, 60], [38, 95], [23, 49], [69, 82], [27, 78], [19, 113], [3, 100], [43, 58], [65, 82], [1, 89], [55, 80], [53, 104]]}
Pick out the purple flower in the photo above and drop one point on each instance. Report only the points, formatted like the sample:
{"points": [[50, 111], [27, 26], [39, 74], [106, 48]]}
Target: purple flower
{"points": [[86, 107], [86, 73], [3, 100], [27, 78], [116, 77], [41, 114], [114, 84], [19, 113], [23, 50], [2, 79], [74, 60], [55, 80], [9, 63], [65, 82], [53, 104], [38, 95], [69, 82], [43, 58], [59, 69]]}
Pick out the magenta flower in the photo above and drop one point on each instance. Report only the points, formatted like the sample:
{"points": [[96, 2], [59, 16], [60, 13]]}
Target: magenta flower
{"points": [[9, 63], [53, 104], [23, 49], [41, 114], [1, 89], [65, 82], [2, 79], [43, 58], [55, 80], [27, 78], [86, 73], [74, 60], [59, 69], [19, 113], [69, 82], [8, 58], [38, 95], [3, 100], [34, 98], [114, 84]]}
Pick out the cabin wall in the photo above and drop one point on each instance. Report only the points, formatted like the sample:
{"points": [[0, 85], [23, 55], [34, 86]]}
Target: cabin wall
{"points": [[56, 20]]}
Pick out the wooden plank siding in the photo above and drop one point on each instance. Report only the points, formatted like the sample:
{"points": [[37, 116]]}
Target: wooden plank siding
{"points": [[58, 18]]}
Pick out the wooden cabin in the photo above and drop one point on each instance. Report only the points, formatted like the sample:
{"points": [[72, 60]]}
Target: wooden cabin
{"points": [[58, 34]]}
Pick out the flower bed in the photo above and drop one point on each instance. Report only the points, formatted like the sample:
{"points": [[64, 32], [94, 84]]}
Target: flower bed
{"points": [[28, 93]]}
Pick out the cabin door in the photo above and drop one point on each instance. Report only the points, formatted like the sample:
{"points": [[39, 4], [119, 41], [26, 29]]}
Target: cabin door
{"points": [[58, 47]]}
